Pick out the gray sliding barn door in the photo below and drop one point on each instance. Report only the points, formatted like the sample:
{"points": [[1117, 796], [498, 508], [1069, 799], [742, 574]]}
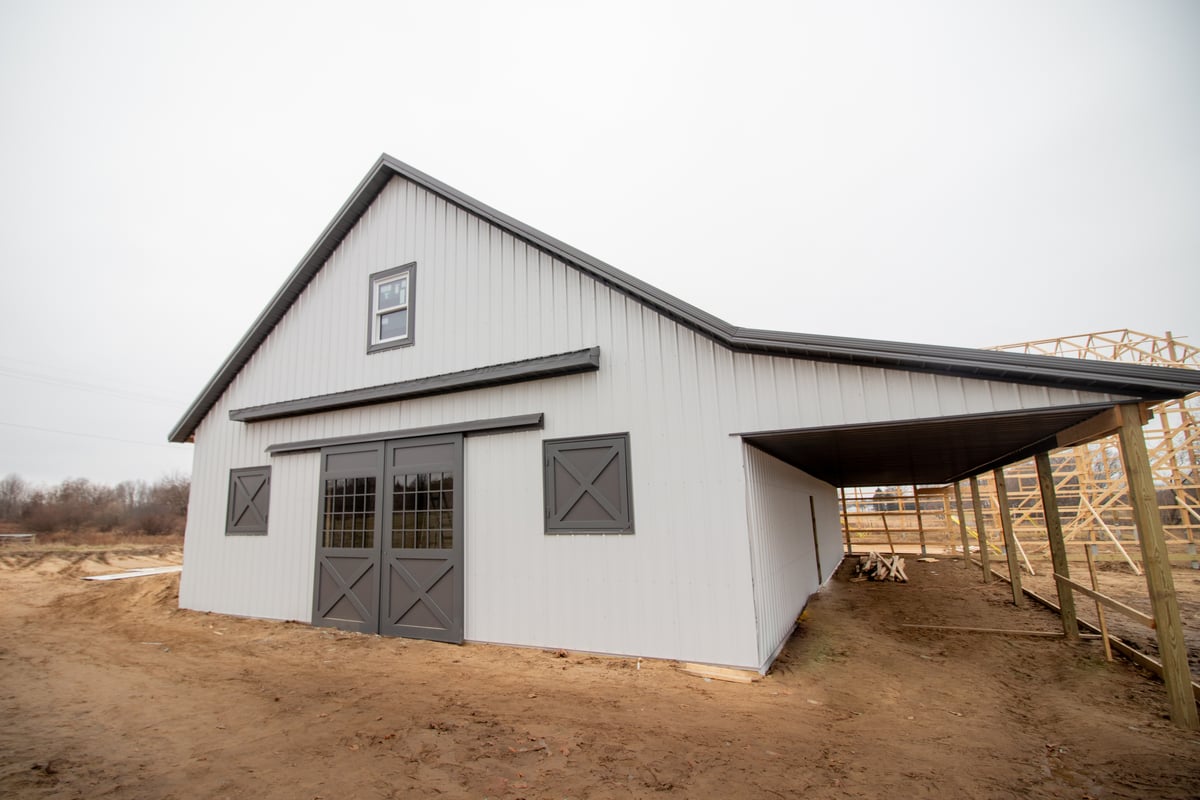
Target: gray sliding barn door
{"points": [[346, 589], [389, 544], [422, 592]]}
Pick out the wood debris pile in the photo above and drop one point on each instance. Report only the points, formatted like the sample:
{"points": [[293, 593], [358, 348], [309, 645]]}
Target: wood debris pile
{"points": [[874, 567]]}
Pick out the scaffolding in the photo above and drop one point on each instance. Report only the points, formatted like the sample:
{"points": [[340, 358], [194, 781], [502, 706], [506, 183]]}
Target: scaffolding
{"points": [[1089, 479]]}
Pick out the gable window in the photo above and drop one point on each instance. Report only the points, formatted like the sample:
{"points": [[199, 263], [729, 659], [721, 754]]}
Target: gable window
{"points": [[249, 500], [587, 485], [391, 308]]}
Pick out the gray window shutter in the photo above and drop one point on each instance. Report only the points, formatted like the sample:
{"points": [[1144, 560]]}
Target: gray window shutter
{"points": [[249, 500], [587, 485]]}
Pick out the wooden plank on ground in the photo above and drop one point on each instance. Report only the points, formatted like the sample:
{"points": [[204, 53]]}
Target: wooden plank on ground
{"points": [[997, 631], [720, 673]]}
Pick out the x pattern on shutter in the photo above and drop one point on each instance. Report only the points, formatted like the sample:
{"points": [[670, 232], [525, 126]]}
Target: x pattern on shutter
{"points": [[249, 500], [587, 485]]}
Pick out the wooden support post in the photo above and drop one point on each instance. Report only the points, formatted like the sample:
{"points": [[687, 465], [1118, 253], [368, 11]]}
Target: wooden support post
{"points": [[1058, 548], [1089, 551], [1010, 541], [846, 520], [1161, 585], [962, 525], [886, 530], [920, 524], [984, 556]]}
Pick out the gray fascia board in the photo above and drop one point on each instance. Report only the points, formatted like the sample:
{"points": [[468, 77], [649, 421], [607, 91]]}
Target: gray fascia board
{"points": [[1137, 380], [1143, 382], [572, 363], [481, 426], [324, 246]]}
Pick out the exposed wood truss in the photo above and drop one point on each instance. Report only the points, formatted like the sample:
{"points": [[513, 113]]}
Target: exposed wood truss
{"points": [[1089, 478]]}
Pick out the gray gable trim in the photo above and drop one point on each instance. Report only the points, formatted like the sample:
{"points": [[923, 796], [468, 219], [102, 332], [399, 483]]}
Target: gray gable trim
{"points": [[479, 378], [1142, 382], [524, 422]]}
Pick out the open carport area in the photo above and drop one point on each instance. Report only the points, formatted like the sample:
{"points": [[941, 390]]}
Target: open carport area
{"points": [[110, 690], [944, 451]]}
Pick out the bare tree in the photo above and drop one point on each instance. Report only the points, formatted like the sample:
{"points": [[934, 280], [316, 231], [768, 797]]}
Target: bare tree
{"points": [[14, 496]]}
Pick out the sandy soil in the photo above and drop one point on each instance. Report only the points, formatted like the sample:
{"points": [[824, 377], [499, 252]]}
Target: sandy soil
{"points": [[107, 690]]}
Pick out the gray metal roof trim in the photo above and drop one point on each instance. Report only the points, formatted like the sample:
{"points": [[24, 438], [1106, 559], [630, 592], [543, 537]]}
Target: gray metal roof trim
{"points": [[1077, 372], [1142, 381], [540, 368], [324, 246], [1084, 408]]}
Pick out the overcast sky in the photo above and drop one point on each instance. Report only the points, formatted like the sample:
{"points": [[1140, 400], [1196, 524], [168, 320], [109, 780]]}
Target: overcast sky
{"points": [[962, 173]]}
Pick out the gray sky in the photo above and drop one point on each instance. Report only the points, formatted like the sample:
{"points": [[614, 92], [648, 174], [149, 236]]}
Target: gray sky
{"points": [[954, 173]]}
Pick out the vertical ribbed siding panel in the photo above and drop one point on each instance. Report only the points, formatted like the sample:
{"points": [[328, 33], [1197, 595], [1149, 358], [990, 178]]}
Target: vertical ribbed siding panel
{"points": [[781, 543]]}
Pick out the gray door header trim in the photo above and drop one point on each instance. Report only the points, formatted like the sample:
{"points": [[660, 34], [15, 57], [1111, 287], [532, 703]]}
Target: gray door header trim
{"points": [[478, 426]]}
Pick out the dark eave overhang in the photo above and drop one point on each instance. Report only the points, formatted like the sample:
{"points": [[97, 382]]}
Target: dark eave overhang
{"points": [[1131, 380]]}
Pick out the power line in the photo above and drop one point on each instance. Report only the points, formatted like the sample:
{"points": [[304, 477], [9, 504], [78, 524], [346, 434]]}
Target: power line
{"points": [[87, 387], [90, 435]]}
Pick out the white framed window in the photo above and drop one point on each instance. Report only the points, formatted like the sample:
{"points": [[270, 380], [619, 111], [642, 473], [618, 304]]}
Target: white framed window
{"points": [[391, 314]]}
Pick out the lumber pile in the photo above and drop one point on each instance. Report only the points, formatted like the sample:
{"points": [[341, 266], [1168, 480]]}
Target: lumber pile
{"points": [[874, 567]]}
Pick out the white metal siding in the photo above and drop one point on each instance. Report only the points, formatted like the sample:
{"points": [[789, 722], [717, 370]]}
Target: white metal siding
{"points": [[680, 586], [781, 543]]}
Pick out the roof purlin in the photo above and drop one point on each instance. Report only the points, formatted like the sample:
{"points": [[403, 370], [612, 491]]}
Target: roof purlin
{"points": [[1143, 382]]}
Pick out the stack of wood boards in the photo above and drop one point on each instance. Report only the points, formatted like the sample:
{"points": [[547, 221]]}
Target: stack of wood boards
{"points": [[874, 567]]}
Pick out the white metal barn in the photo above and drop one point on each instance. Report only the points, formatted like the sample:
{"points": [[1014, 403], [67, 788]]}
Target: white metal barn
{"points": [[449, 425]]}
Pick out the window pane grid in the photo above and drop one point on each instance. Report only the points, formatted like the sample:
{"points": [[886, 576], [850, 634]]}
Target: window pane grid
{"points": [[390, 300], [349, 513], [423, 511]]}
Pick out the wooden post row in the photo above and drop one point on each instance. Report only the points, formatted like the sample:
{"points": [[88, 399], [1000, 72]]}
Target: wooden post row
{"points": [[979, 529], [1058, 547], [1010, 542], [962, 525], [1163, 602]]}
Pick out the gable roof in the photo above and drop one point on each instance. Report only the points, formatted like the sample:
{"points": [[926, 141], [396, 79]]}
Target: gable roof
{"points": [[1139, 381]]}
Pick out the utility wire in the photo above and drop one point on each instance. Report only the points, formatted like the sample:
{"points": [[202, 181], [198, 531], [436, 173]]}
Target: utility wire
{"points": [[87, 387], [172, 445]]}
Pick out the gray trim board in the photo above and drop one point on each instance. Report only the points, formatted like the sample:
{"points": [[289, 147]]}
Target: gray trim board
{"points": [[524, 422], [1133, 380], [481, 377]]}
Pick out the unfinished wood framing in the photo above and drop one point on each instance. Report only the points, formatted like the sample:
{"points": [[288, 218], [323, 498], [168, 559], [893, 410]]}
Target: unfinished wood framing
{"points": [[962, 523], [1088, 476], [1163, 602], [1058, 548], [981, 531], [1010, 542]]}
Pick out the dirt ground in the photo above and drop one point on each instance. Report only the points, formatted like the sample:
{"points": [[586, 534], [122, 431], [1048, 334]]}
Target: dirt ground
{"points": [[1118, 580], [108, 690]]}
